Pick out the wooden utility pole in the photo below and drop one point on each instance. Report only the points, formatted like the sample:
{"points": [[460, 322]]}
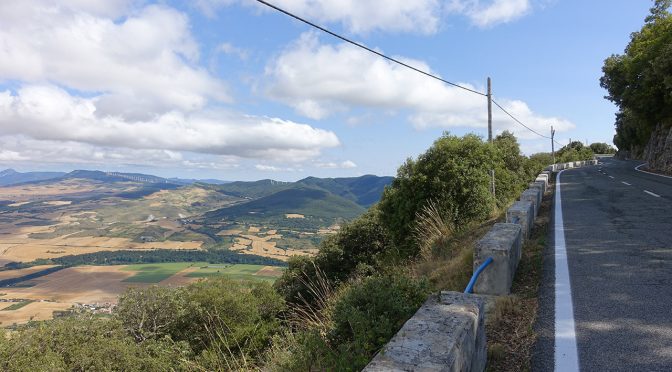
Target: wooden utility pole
{"points": [[553, 143], [489, 111], [492, 171]]}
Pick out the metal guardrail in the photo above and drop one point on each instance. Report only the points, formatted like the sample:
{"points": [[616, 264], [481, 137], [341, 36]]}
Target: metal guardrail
{"points": [[472, 282]]}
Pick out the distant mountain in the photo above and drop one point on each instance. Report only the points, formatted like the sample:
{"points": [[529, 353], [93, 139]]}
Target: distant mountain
{"points": [[191, 181], [12, 177], [322, 198], [364, 190], [308, 201], [116, 177]]}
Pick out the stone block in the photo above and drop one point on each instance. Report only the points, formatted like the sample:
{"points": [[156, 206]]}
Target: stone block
{"points": [[534, 196], [503, 243], [522, 213], [542, 178], [447, 333], [538, 185]]}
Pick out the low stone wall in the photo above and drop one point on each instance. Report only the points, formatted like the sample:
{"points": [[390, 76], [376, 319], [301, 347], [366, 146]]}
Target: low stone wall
{"points": [[446, 334], [504, 244], [522, 213]]}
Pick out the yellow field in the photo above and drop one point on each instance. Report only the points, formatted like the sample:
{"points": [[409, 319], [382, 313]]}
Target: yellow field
{"points": [[26, 249], [10, 274], [294, 215]]}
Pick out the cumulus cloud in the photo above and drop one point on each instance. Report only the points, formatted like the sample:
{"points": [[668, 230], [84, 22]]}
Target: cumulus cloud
{"points": [[490, 13], [318, 80], [347, 164], [140, 64], [50, 113], [417, 16]]}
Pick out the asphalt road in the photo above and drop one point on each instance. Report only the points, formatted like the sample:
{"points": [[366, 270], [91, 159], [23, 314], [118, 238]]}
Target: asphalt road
{"points": [[618, 235]]}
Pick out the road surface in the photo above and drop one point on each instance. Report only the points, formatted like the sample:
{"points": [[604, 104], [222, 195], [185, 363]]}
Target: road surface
{"points": [[617, 225]]}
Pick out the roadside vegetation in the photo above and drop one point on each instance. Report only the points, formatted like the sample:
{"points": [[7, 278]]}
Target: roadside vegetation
{"points": [[333, 311], [638, 81]]}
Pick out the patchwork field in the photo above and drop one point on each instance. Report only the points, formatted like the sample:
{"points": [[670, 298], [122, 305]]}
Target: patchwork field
{"points": [[99, 286]]}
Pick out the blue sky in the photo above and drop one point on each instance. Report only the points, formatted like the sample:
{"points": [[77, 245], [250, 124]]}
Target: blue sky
{"points": [[229, 89]]}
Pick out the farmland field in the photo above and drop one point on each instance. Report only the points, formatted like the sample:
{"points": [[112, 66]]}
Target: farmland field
{"points": [[154, 273], [101, 285], [238, 272]]}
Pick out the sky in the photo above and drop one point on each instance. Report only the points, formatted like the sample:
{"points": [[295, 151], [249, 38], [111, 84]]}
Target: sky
{"points": [[234, 90]]}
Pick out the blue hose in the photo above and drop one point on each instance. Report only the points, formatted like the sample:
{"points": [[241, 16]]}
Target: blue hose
{"points": [[472, 282]]}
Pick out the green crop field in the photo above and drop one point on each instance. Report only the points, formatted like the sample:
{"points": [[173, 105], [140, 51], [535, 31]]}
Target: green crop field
{"points": [[16, 305], [237, 272], [154, 273]]}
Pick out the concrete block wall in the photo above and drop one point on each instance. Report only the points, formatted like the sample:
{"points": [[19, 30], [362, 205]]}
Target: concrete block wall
{"points": [[446, 334], [522, 213], [503, 243], [534, 196]]}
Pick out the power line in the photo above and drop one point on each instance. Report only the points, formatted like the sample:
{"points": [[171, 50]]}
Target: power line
{"points": [[518, 121], [367, 48]]}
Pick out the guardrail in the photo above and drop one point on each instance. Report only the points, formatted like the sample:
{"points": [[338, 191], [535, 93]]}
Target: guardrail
{"points": [[448, 332]]}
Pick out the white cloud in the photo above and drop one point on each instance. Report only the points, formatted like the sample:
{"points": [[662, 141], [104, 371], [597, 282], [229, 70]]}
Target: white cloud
{"points": [[50, 113], [417, 16], [230, 49], [272, 168], [490, 13], [318, 80], [347, 164], [139, 65]]}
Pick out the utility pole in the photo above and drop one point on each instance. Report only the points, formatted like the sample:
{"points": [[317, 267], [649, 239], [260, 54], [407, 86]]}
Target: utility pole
{"points": [[489, 111], [553, 143], [492, 171]]}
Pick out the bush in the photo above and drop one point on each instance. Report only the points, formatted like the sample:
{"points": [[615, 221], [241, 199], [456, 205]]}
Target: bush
{"points": [[87, 344], [361, 318], [358, 246], [227, 322], [454, 172]]}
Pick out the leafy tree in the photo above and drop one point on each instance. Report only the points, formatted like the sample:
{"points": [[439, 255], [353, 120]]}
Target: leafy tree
{"points": [[602, 148], [87, 344], [640, 80], [454, 172]]}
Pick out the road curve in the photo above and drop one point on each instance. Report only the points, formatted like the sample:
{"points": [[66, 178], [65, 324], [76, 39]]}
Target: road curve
{"points": [[617, 225]]}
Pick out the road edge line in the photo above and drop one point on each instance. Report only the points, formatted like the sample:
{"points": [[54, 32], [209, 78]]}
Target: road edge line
{"points": [[655, 174], [566, 355]]}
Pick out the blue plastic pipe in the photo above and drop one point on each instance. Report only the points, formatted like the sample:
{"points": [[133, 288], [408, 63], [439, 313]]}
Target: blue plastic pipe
{"points": [[472, 282]]}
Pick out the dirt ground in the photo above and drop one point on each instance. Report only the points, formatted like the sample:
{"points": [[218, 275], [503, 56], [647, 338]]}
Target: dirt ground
{"points": [[10, 274]]}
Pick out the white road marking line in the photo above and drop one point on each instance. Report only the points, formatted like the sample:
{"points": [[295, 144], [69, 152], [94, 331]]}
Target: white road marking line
{"points": [[643, 171], [652, 194], [625, 183], [566, 355], [612, 177]]}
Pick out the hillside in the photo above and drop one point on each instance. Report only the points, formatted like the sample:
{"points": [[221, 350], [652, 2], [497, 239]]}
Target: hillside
{"points": [[364, 191], [300, 200], [12, 177]]}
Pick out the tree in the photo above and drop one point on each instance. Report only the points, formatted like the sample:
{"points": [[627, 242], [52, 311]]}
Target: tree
{"points": [[639, 81], [454, 173]]}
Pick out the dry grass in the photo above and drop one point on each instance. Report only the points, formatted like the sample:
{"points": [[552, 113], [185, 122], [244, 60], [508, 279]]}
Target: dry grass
{"points": [[432, 229], [451, 263], [509, 326]]}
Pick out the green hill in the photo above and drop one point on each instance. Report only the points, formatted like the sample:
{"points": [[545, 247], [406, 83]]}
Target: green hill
{"points": [[364, 190], [308, 201]]}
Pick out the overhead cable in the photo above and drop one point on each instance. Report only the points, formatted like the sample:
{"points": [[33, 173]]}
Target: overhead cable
{"points": [[367, 48]]}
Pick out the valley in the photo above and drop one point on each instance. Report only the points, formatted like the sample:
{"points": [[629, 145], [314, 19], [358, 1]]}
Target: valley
{"points": [[79, 239]]}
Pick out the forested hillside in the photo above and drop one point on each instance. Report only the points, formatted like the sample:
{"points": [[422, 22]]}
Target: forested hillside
{"points": [[639, 82]]}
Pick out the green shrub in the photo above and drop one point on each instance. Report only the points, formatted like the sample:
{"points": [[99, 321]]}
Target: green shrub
{"points": [[228, 322], [87, 344], [454, 172], [356, 247]]}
